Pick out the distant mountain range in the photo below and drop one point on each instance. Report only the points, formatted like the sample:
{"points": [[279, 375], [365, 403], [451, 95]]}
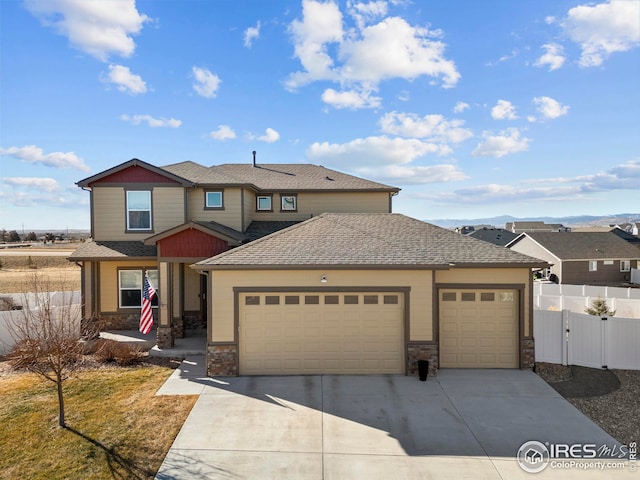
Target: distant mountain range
{"points": [[577, 221]]}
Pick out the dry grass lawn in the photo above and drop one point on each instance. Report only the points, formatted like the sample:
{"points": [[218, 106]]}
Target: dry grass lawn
{"points": [[17, 273], [117, 428]]}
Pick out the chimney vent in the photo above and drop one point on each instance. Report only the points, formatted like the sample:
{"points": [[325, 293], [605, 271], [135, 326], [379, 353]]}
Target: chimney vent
{"points": [[254, 158]]}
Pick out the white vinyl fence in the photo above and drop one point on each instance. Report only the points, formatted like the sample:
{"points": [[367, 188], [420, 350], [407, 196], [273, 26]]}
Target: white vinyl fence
{"points": [[549, 296], [569, 338], [66, 306]]}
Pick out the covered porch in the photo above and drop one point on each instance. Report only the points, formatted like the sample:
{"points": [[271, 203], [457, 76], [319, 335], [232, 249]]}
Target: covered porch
{"points": [[183, 310]]}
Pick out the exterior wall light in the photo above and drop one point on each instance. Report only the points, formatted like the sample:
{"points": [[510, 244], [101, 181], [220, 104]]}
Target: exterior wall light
{"points": [[323, 279]]}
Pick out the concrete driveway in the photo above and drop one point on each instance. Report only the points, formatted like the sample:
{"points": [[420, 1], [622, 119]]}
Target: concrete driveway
{"points": [[462, 424]]}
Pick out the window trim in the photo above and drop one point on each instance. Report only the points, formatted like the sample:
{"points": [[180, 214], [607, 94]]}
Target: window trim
{"points": [[295, 202], [593, 265], [128, 228], [206, 199], [622, 265], [142, 270], [270, 197]]}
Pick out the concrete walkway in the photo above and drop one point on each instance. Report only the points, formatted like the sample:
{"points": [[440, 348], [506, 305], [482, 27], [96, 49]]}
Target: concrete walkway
{"points": [[462, 424]]}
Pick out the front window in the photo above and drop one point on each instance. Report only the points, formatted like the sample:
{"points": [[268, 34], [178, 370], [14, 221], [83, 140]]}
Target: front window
{"points": [[289, 203], [264, 203], [130, 284], [213, 200], [593, 265], [138, 210], [625, 265]]}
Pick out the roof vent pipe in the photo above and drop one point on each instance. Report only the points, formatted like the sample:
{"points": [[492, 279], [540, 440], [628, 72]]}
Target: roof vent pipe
{"points": [[254, 159]]}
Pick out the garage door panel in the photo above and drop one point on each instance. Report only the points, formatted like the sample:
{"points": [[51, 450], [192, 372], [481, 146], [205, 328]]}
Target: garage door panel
{"points": [[482, 333], [322, 338]]}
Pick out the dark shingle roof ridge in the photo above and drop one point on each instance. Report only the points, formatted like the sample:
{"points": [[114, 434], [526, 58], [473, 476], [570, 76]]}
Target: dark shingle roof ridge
{"points": [[231, 232]]}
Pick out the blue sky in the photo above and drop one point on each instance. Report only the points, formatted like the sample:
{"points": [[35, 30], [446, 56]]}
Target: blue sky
{"points": [[474, 109]]}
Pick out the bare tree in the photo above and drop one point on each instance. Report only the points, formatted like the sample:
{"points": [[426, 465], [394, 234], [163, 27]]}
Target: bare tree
{"points": [[48, 338]]}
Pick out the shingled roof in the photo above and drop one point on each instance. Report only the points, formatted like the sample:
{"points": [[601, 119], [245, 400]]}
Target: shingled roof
{"points": [[284, 177], [113, 250], [366, 241], [584, 245]]}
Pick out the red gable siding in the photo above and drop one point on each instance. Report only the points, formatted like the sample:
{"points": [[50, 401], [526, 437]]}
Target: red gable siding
{"points": [[192, 243], [134, 174]]}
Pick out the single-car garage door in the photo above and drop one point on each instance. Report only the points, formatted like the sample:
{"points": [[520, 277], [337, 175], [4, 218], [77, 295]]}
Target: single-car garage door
{"points": [[318, 333], [478, 328]]}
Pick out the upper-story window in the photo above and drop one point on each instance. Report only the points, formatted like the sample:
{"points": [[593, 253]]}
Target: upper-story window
{"points": [[213, 199], [625, 265], [263, 203], [593, 265], [138, 210], [288, 203]]}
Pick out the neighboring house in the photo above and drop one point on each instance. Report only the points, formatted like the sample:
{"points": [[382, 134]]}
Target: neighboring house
{"points": [[619, 230], [161, 220], [591, 258], [522, 227], [497, 236], [367, 293]]}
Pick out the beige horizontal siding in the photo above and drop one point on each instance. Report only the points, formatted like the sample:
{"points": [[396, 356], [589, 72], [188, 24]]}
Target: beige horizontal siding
{"points": [[221, 304], [231, 215]]}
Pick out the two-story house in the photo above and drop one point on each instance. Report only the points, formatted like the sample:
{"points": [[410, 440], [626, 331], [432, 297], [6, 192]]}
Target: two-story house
{"points": [[160, 220], [298, 269]]}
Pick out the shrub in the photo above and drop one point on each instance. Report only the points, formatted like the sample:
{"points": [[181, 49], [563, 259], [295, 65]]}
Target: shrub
{"points": [[123, 354]]}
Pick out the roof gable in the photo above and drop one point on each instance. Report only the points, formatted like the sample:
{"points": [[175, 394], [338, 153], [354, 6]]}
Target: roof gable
{"points": [[368, 241], [133, 171]]}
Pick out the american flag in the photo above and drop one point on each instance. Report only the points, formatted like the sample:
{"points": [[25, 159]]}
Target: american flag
{"points": [[146, 316]]}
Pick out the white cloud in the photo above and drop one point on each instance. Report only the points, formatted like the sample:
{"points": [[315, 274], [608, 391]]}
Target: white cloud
{"points": [[321, 25], [504, 110], [460, 107], [414, 175], [387, 159], [151, 121], [99, 28], [432, 127], [550, 108], [395, 49], [207, 83], [125, 81], [507, 142], [620, 177], [350, 99], [553, 57], [270, 136], [603, 29], [370, 152], [361, 57], [224, 132], [33, 154], [364, 13], [251, 34], [39, 183]]}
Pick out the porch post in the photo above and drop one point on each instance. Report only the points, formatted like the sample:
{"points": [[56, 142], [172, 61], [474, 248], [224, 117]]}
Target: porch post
{"points": [[165, 332]]}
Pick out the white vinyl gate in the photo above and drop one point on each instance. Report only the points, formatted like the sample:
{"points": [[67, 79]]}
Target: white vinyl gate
{"points": [[569, 338]]}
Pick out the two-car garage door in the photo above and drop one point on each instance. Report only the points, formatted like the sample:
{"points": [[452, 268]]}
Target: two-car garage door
{"points": [[479, 328], [321, 333]]}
